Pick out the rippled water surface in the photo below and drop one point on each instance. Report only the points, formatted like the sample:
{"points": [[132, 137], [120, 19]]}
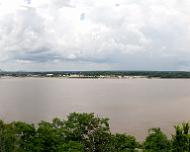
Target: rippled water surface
{"points": [[133, 105]]}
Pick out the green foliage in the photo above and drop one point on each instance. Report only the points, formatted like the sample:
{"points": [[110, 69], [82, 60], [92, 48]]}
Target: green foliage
{"points": [[80, 132], [8, 138], [156, 141], [71, 146], [85, 132], [92, 131], [181, 139], [24, 134], [122, 143]]}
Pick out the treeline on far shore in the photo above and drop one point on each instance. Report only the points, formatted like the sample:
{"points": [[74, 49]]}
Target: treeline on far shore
{"points": [[99, 74], [85, 132]]}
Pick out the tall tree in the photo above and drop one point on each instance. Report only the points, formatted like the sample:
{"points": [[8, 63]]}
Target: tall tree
{"points": [[156, 141], [93, 131], [181, 138]]}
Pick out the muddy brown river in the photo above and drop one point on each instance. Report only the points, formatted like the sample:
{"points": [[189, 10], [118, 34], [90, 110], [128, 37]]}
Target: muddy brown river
{"points": [[133, 105]]}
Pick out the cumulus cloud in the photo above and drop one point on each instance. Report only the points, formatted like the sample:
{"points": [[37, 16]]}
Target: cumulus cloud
{"points": [[89, 35]]}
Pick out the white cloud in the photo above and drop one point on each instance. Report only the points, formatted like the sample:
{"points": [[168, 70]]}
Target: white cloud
{"points": [[122, 34]]}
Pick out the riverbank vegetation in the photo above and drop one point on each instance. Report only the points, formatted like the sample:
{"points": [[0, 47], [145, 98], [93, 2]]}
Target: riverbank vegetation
{"points": [[85, 132], [100, 74]]}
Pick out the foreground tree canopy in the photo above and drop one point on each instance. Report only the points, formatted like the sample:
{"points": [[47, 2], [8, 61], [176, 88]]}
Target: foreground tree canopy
{"points": [[85, 132]]}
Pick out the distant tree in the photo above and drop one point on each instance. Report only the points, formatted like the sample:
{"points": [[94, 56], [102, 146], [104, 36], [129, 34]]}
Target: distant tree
{"points": [[156, 141], [181, 139]]}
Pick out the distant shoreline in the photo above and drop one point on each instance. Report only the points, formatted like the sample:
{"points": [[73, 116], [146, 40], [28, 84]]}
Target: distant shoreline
{"points": [[100, 74], [88, 78], [130, 77]]}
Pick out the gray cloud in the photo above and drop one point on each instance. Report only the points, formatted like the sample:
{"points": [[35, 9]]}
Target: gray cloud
{"points": [[82, 16], [109, 34], [28, 1]]}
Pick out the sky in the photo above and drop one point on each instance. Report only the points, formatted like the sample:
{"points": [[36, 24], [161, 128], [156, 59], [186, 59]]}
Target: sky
{"points": [[41, 35]]}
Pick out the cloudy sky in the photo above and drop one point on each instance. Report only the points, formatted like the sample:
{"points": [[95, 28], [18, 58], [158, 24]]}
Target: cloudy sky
{"points": [[95, 35]]}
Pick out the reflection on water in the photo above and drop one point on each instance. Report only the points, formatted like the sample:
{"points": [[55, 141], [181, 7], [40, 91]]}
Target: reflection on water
{"points": [[133, 105]]}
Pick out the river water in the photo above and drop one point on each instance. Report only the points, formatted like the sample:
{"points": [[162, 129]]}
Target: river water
{"points": [[133, 105]]}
